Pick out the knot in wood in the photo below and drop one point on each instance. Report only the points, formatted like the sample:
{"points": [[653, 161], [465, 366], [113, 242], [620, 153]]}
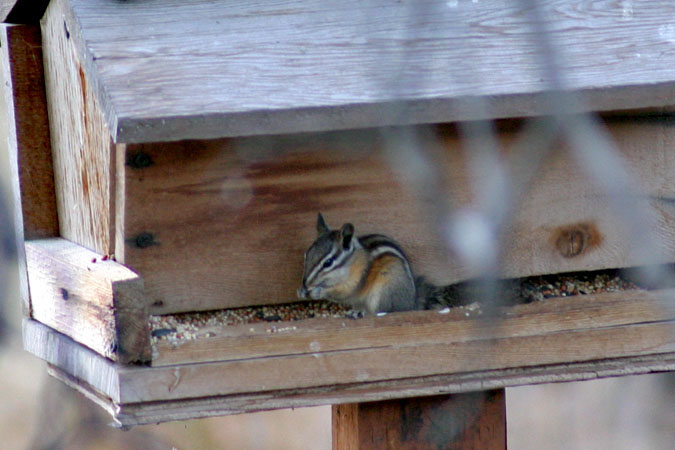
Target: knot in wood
{"points": [[573, 240]]}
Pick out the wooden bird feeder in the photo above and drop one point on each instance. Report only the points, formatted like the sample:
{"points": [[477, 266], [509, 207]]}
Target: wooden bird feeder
{"points": [[171, 156]]}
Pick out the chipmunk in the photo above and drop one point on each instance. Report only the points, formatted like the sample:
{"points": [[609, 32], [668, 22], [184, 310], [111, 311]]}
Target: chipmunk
{"points": [[370, 273]]}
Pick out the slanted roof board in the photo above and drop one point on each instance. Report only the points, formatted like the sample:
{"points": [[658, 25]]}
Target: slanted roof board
{"points": [[176, 69]]}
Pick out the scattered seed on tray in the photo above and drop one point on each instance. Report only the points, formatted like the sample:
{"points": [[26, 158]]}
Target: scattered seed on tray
{"points": [[541, 288], [186, 326]]}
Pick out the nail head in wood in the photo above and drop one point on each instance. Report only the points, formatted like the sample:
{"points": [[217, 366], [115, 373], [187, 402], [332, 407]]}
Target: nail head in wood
{"points": [[139, 160], [145, 240]]}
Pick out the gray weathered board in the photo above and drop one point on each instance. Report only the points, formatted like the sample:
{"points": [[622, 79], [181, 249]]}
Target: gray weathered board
{"points": [[336, 361], [168, 70]]}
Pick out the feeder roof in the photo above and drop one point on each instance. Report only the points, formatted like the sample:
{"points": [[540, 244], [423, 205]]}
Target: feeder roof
{"points": [[177, 69]]}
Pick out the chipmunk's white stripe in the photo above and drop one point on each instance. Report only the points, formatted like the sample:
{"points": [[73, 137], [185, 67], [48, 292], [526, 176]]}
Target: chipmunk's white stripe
{"points": [[339, 256], [318, 266], [383, 248]]}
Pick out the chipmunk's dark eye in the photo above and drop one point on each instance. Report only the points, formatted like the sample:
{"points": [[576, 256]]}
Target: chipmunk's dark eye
{"points": [[329, 262]]}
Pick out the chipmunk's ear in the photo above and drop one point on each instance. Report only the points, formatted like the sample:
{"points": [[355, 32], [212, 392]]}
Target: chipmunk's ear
{"points": [[346, 234], [321, 226]]}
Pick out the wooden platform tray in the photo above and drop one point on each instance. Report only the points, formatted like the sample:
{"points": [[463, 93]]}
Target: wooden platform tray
{"points": [[199, 69], [328, 361]]}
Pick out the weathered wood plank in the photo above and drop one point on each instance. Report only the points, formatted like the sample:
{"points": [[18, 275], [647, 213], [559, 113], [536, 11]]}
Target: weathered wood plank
{"points": [[202, 220], [455, 422], [98, 303], [469, 349], [415, 328], [148, 413], [85, 371], [325, 66], [376, 364], [29, 130], [81, 145], [72, 357], [29, 152], [201, 223]]}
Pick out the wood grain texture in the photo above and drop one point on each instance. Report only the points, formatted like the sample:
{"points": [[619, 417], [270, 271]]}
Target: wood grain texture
{"points": [[99, 377], [81, 146], [222, 343], [30, 161], [454, 422], [84, 363], [327, 65], [96, 302], [29, 130], [469, 348], [155, 412], [202, 221], [376, 364]]}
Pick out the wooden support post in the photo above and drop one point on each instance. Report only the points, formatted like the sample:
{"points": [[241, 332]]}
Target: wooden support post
{"points": [[475, 420]]}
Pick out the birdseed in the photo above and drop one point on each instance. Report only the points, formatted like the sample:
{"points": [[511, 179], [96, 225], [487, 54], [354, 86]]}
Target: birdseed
{"points": [[186, 326]]}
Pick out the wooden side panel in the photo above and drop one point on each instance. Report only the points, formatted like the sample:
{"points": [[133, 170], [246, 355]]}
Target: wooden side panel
{"points": [[81, 145], [379, 364], [29, 129], [28, 146], [207, 228], [97, 302], [475, 420], [225, 223]]}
